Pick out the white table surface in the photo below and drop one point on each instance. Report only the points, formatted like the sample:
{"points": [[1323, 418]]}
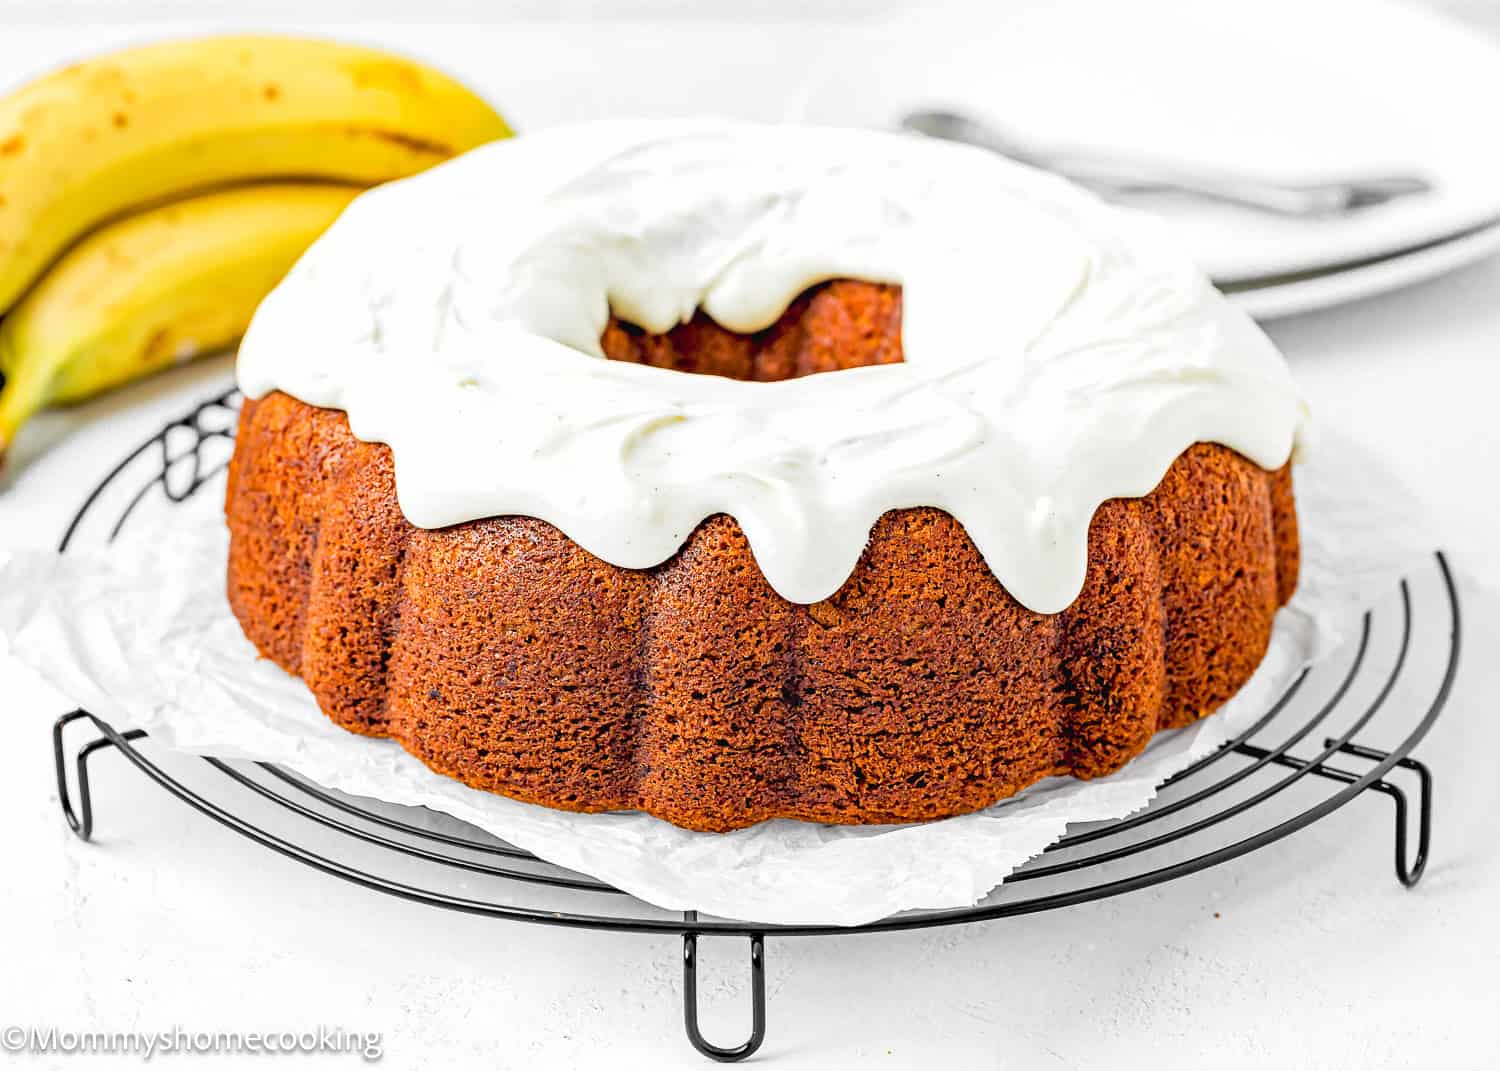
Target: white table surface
{"points": [[1308, 955]]}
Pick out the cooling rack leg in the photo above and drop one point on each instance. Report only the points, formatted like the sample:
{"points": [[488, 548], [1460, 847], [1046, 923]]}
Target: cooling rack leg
{"points": [[81, 818], [1408, 873], [757, 999]]}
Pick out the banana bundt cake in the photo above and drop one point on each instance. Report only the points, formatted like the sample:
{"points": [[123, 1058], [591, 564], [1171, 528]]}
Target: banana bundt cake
{"points": [[728, 472]]}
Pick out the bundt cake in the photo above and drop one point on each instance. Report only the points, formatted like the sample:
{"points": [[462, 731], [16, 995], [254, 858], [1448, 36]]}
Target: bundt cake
{"points": [[1108, 566]]}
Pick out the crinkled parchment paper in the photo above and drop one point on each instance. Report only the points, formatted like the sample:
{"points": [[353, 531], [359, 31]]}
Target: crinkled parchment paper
{"points": [[141, 635]]}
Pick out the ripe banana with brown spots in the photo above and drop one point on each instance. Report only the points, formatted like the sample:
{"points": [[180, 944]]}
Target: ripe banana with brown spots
{"points": [[144, 125], [153, 290], [156, 131]]}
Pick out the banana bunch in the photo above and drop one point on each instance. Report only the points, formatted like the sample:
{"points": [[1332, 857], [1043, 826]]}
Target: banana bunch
{"points": [[151, 198]]}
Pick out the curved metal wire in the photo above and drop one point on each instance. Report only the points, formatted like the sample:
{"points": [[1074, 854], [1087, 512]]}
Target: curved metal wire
{"points": [[328, 799], [558, 880], [193, 422]]}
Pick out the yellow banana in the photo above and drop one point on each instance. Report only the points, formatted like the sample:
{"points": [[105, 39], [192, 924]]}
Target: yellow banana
{"points": [[153, 290], [89, 143]]}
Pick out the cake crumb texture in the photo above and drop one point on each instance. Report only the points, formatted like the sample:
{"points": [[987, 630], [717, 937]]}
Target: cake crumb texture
{"points": [[504, 655]]}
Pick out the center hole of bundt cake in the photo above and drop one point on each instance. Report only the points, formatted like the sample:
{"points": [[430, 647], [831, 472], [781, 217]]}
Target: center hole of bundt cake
{"points": [[831, 326]]}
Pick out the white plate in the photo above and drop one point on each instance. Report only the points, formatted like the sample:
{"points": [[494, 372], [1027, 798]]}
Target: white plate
{"points": [[1321, 291], [1284, 88]]}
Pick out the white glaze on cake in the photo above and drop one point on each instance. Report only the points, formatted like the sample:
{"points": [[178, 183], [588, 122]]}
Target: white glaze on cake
{"points": [[1058, 352]]}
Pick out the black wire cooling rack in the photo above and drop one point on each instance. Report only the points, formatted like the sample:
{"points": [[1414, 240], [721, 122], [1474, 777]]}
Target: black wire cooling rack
{"points": [[1310, 753]]}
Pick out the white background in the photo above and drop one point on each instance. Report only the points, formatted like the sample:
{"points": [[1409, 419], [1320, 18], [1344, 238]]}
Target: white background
{"points": [[1307, 955]]}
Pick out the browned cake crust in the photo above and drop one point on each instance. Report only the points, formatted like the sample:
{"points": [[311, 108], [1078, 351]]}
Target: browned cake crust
{"points": [[501, 653]]}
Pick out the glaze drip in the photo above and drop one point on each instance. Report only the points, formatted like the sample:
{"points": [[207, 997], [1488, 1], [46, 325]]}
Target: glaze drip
{"points": [[1058, 352]]}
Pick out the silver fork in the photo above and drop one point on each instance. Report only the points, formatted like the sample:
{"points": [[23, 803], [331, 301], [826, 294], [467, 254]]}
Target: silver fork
{"points": [[1115, 177]]}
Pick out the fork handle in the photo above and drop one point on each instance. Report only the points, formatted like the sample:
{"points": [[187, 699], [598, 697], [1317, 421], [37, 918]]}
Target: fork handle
{"points": [[1120, 179]]}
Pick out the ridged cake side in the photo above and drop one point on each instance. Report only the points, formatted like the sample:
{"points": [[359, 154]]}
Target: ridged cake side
{"points": [[500, 653]]}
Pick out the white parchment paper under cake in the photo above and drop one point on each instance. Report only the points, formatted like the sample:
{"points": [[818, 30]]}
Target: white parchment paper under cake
{"points": [[141, 634]]}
